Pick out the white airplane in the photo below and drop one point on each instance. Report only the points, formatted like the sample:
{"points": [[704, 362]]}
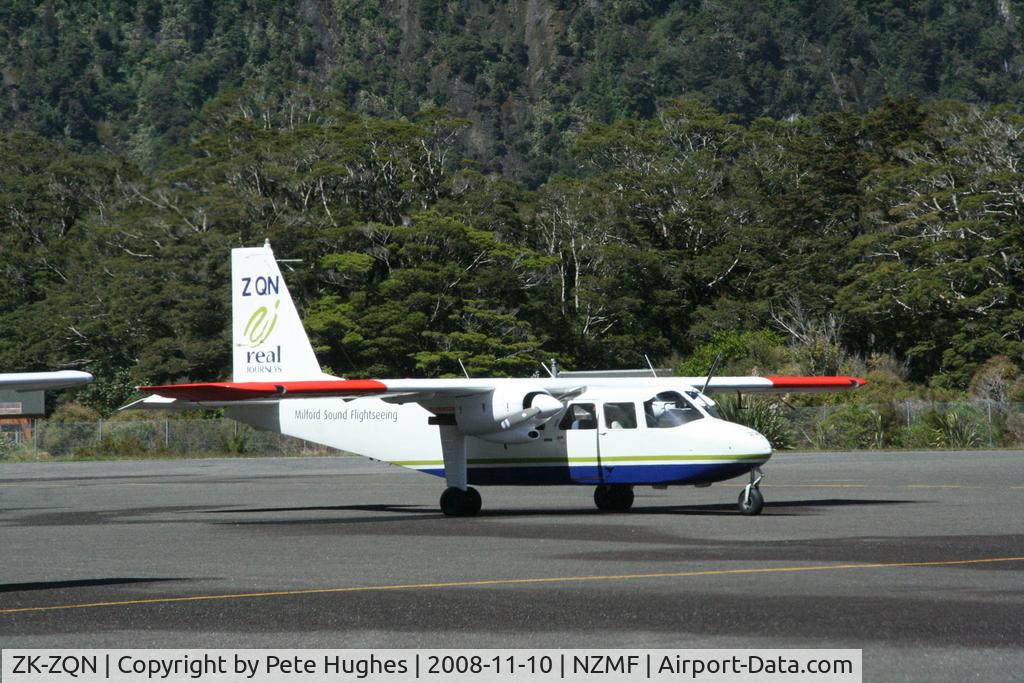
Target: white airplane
{"points": [[41, 381], [610, 432]]}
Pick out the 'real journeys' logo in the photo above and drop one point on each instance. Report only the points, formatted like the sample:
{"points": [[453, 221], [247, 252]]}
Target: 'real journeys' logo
{"points": [[256, 332], [261, 325], [259, 328]]}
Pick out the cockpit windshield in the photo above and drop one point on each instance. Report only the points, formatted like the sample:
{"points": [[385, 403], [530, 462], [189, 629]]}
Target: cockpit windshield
{"points": [[670, 409], [704, 402]]}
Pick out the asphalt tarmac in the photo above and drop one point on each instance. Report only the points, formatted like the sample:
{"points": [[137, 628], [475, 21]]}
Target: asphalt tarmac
{"points": [[917, 558]]}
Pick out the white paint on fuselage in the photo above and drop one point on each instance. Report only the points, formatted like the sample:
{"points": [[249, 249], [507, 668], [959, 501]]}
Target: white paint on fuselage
{"points": [[401, 434], [366, 426]]}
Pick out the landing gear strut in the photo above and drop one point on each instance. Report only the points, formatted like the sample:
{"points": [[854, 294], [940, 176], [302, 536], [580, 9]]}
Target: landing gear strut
{"points": [[456, 502], [751, 501], [613, 497]]}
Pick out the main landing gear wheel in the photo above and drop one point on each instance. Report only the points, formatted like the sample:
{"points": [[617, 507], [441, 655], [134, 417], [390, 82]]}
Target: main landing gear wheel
{"points": [[613, 498], [751, 501], [458, 503]]}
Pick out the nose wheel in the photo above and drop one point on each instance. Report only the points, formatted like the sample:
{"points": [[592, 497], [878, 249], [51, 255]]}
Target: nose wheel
{"points": [[751, 501]]}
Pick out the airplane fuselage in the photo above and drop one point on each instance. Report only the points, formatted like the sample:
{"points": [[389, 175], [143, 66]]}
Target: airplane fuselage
{"points": [[701, 451]]}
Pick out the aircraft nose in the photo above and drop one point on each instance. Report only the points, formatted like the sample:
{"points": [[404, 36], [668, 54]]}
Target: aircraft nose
{"points": [[759, 443], [748, 441]]}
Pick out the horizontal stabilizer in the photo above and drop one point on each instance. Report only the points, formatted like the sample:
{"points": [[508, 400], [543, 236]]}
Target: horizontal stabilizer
{"points": [[242, 391]]}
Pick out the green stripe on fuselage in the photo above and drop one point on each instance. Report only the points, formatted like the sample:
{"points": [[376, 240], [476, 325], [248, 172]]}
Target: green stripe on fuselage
{"points": [[586, 461]]}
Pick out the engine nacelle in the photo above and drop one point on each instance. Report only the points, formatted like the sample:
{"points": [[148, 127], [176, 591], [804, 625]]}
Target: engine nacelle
{"points": [[524, 433], [509, 409]]}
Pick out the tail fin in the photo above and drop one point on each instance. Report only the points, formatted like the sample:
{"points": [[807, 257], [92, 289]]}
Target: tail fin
{"points": [[268, 338]]}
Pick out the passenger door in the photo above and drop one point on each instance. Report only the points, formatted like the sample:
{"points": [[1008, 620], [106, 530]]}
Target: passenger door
{"points": [[578, 427], [617, 436]]}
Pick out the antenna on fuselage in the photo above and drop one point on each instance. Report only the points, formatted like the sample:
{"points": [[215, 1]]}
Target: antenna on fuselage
{"points": [[711, 372], [651, 366], [463, 369]]}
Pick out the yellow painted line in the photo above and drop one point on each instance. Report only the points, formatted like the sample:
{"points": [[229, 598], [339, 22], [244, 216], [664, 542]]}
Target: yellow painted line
{"points": [[775, 485], [36, 486], [513, 582], [942, 486]]}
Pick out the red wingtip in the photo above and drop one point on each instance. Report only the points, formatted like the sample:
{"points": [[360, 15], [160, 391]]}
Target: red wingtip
{"points": [[818, 382]]}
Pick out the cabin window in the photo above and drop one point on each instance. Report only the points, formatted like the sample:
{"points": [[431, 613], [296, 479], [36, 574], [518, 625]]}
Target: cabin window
{"points": [[579, 416], [669, 409], [620, 416]]}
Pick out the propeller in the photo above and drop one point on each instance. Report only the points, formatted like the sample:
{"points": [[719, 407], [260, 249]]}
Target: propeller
{"points": [[541, 405]]}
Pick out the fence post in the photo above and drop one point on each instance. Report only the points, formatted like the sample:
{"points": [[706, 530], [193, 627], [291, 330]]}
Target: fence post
{"points": [[167, 434], [990, 438]]}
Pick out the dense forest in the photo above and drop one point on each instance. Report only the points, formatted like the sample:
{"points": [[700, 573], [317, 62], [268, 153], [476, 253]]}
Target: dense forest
{"points": [[806, 187], [132, 76]]}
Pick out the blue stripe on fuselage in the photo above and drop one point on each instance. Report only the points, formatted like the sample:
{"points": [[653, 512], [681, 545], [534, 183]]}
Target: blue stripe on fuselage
{"points": [[691, 473]]}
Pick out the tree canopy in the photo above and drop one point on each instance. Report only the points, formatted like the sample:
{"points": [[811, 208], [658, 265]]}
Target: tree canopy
{"points": [[811, 186], [846, 235]]}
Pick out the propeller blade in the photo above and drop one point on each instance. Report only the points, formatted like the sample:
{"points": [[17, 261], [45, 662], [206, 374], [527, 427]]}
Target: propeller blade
{"points": [[520, 418]]}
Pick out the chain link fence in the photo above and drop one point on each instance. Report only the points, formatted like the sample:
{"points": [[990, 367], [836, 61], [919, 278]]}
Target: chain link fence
{"points": [[901, 424], [48, 440], [904, 424]]}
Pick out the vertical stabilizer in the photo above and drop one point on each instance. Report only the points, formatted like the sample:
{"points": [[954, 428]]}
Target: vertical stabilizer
{"points": [[268, 338]]}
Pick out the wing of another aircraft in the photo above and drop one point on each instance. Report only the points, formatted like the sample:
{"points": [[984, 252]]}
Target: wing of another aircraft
{"points": [[40, 381]]}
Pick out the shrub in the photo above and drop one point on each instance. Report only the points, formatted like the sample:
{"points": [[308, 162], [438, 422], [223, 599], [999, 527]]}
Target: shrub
{"points": [[1015, 429], [960, 427], [767, 417], [64, 438], [739, 350], [7, 446], [113, 447], [917, 435], [848, 427], [237, 442]]}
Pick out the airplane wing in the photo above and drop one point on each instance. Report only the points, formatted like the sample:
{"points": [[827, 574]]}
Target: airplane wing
{"points": [[40, 381], [778, 384], [213, 394], [772, 384]]}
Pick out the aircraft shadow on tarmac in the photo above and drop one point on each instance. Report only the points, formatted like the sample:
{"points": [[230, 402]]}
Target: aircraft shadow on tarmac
{"points": [[77, 583], [776, 509]]}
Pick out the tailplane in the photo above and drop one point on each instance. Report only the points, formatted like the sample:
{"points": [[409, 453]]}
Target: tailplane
{"points": [[267, 335]]}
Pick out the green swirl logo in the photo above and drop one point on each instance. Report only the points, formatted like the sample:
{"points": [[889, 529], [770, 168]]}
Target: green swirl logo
{"points": [[258, 329]]}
